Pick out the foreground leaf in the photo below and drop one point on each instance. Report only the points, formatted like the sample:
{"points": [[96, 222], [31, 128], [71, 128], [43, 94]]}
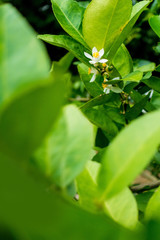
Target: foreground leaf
{"points": [[67, 148], [25, 120], [128, 154], [121, 208], [153, 207], [28, 208], [23, 58]]}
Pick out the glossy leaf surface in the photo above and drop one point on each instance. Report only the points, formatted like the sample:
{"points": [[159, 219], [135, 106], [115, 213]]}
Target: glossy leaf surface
{"points": [[103, 21]]}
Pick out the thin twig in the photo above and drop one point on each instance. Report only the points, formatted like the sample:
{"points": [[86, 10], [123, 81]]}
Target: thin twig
{"points": [[80, 99], [144, 187]]}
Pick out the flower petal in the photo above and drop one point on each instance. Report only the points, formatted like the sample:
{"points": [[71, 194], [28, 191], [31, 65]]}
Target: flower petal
{"points": [[93, 78], [92, 62], [94, 50], [103, 60], [106, 91], [101, 52], [88, 55]]}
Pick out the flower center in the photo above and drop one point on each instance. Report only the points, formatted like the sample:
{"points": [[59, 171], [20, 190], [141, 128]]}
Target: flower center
{"points": [[104, 64], [96, 54], [104, 85], [89, 71]]}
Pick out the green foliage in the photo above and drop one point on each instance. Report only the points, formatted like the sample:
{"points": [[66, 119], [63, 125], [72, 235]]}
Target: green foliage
{"points": [[155, 24], [64, 154], [95, 29], [118, 160], [58, 159], [69, 14]]}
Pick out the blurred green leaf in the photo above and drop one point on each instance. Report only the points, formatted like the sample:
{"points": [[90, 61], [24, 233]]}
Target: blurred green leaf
{"points": [[67, 148], [26, 116], [153, 207], [23, 59], [99, 33], [69, 14], [128, 154], [29, 207], [142, 200], [25, 120], [63, 65], [118, 208]]}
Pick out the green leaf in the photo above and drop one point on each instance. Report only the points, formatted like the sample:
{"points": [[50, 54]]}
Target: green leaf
{"points": [[121, 208], [153, 207], [158, 68], [28, 206], [103, 21], [94, 88], [153, 82], [144, 65], [67, 148], [28, 92], [68, 43], [136, 110], [142, 200], [25, 120], [136, 11], [122, 61], [98, 115], [69, 14], [83, 4], [23, 58], [155, 24], [63, 64], [128, 154], [134, 76]]}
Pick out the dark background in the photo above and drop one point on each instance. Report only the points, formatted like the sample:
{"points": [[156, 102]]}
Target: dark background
{"points": [[140, 43]]}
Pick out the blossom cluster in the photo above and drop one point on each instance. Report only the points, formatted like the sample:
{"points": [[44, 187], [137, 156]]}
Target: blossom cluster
{"points": [[100, 65]]}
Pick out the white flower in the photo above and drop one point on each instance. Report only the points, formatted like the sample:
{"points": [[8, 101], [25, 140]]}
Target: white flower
{"points": [[95, 72], [96, 56]]}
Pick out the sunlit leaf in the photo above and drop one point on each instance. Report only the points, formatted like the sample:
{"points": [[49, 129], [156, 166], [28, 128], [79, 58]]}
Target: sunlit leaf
{"points": [[128, 154], [104, 20]]}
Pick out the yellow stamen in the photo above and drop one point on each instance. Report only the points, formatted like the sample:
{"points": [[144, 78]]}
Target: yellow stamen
{"points": [[96, 54], [89, 71], [104, 64], [104, 85]]}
